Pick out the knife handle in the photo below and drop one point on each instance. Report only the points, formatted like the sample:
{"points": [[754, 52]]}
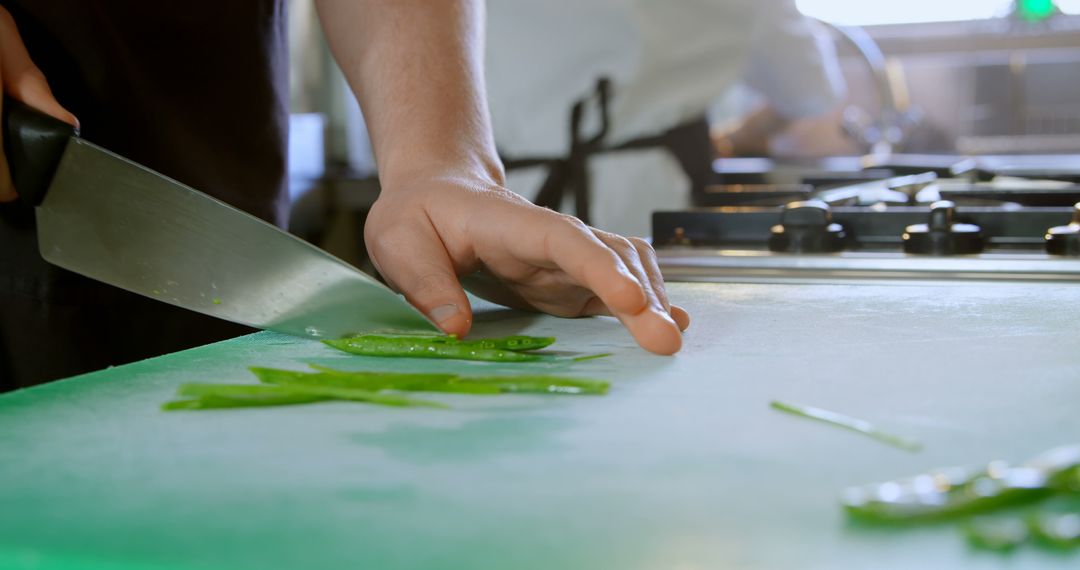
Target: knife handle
{"points": [[33, 144]]}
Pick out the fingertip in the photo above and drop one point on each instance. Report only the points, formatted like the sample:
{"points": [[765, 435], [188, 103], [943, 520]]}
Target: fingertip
{"points": [[655, 331], [681, 317], [70, 119], [51, 107], [452, 318], [665, 339]]}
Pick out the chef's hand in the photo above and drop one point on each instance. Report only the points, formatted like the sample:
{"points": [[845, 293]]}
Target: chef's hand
{"points": [[430, 230], [20, 79], [749, 135]]}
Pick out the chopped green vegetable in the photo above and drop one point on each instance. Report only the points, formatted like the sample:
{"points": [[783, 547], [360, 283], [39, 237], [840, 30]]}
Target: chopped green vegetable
{"points": [[215, 301], [1062, 466], [1061, 530], [539, 384], [495, 350], [290, 386], [847, 422], [1034, 502], [1001, 534], [210, 402], [536, 384], [357, 395], [375, 380], [377, 377], [239, 395], [957, 492], [207, 396], [253, 391], [946, 494], [516, 343]]}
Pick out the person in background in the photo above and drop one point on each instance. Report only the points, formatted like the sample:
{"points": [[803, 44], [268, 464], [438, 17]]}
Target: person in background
{"points": [[197, 90], [640, 77]]}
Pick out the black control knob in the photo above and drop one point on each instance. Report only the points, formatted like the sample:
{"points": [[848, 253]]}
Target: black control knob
{"points": [[943, 235], [1065, 240], [807, 227]]}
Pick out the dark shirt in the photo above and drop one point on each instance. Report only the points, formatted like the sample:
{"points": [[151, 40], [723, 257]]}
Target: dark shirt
{"points": [[196, 90]]}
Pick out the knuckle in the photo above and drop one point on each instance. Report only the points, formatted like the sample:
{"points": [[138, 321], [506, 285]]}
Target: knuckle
{"points": [[573, 223], [622, 246]]}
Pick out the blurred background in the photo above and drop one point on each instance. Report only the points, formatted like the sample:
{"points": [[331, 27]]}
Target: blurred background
{"points": [[613, 109]]}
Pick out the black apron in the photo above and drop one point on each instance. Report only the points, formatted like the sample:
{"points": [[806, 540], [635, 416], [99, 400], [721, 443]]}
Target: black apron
{"points": [[689, 143], [196, 90]]}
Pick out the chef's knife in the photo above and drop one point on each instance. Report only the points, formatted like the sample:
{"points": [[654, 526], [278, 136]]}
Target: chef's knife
{"points": [[110, 219]]}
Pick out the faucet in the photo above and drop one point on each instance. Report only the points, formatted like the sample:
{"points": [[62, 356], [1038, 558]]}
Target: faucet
{"points": [[885, 134]]}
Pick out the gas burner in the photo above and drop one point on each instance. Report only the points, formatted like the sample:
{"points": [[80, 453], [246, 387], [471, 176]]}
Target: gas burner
{"points": [[922, 225], [1065, 240], [806, 227], [893, 217], [942, 235]]}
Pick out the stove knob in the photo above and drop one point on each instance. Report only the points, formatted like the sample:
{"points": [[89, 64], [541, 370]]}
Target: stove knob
{"points": [[943, 236], [1065, 240], [807, 227]]}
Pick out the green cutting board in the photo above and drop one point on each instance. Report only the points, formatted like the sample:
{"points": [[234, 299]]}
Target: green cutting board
{"points": [[682, 466]]}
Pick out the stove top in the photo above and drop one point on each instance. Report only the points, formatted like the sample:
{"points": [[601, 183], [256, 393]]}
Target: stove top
{"points": [[961, 219]]}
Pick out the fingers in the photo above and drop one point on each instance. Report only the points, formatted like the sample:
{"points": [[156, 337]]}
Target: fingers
{"points": [[585, 258], [22, 80], [424, 274], [656, 281], [652, 326], [608, 265]]}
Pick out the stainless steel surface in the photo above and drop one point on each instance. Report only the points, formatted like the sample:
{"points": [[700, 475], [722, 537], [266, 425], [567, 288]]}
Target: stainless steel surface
{"points": [[764, 266], [117, 222]]}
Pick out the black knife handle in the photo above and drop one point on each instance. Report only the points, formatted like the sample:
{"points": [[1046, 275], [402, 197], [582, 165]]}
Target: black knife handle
{"points": [[33, 144]]}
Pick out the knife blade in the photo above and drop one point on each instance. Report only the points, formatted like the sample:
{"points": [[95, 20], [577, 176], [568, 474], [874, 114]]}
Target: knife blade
{"points": [[110, 219]]}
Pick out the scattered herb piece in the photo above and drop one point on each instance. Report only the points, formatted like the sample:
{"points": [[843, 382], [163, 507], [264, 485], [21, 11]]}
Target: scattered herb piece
{"points": [[591, 357], [847, 422], [215, 301]]}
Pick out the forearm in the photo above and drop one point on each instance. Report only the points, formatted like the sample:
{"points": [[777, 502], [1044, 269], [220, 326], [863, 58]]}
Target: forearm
{"points": [[416, 67]]}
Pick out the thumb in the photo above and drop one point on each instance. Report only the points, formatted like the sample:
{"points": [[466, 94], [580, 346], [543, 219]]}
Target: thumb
{"points": [[419, 267], [20, 78]]}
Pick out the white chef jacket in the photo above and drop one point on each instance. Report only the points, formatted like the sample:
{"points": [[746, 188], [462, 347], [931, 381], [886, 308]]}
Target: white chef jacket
{"points": [[668, 60]]}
